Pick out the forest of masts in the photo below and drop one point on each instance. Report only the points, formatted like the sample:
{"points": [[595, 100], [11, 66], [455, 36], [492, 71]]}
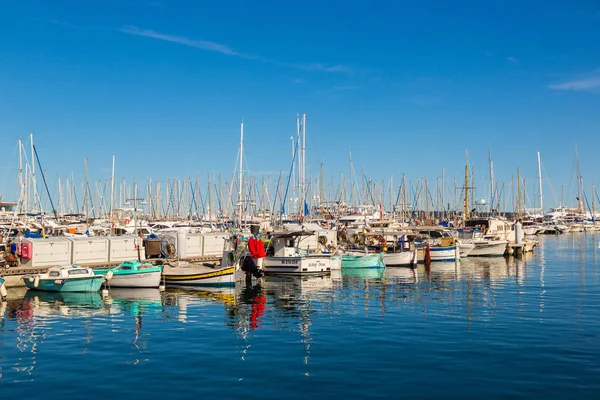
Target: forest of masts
{"points": [[286, 196]]}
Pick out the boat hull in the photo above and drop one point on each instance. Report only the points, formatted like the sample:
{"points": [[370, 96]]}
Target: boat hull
{"points": [[300, 265], [134, 275], [489, 249], [362, 261], [199, 276], [400, 258], [446, 253], [87, 284], [465, 249], [136, 280]]}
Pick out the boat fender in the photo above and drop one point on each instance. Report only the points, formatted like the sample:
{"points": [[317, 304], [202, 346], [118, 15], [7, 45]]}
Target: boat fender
{"points": [[109, 275], [26, 250], [36, 281], [3, 292], [30, 279]]}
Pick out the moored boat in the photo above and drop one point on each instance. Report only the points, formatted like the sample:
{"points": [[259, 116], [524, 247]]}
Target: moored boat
{"points": [[287, 258], [489, 248], [134, 274], [363, 260], [402, 257], [200, 275], [438, 253], [66, 278]]}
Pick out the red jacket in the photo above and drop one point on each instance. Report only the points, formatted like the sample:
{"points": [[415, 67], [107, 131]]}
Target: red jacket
{"points": [[256, 247]]}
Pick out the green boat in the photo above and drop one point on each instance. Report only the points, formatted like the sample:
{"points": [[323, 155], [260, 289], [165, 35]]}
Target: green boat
{"points": [[65, 278], [362, 260]]}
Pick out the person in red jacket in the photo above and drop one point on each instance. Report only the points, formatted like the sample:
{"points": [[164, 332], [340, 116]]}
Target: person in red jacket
{"points": [[256, 247]]}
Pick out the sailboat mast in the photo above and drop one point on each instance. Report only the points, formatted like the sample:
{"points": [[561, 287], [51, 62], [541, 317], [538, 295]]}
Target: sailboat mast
{"points": [[593, 206], [87, 194], [21, 166], [540, 183], [240, 171], [492, 183], [303, 182], [518, 193], [112, 188], [442, 203], [579, 184], [466, 201], [32, 172]]}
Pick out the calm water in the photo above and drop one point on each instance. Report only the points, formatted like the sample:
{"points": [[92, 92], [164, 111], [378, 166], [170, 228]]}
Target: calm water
{"points": [[484, 328]]}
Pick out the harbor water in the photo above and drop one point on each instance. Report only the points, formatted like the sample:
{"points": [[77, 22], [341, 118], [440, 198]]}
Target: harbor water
{"points": [[481, 328]]}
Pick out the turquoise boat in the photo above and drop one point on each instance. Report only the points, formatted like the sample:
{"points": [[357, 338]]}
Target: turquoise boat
{"points": [[363, 260], [133, 274], [66, 278]]}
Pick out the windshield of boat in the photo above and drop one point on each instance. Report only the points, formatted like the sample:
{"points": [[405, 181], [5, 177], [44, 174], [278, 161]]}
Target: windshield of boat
{"points": [[78, 272]]}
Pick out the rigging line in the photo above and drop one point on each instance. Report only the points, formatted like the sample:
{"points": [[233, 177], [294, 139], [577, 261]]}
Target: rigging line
{"points": [[193, 199], [45, 183], [369, 191], [276, 193], [287, 186], [588, 205], [217, 196], [550, 184]]}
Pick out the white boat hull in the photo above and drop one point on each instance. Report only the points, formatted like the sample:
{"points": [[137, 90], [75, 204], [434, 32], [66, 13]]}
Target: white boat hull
{"points": [[400, 258], [138, 280], [465, 249], [449, 253], [489, 248], [444, 253], [300, 265]]}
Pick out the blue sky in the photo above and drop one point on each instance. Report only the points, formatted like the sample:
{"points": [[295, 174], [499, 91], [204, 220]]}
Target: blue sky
{"points": [[406, 86]]}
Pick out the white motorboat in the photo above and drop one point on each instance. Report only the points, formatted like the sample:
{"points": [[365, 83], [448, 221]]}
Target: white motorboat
{"points": [[289, 258]]}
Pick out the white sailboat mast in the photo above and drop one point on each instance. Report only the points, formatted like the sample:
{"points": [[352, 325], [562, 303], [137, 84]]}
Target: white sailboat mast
{"points": [[299, 164], [21, 181], [112, 188], [303, 181], [32, 172], [240, 171], [540, 183]]}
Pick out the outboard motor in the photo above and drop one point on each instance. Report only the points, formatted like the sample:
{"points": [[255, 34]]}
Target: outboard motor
{"points": [[250, 268]]}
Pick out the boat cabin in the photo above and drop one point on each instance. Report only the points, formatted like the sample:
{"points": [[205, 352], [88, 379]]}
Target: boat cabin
{"points": [[69, 271], [287, 244]]}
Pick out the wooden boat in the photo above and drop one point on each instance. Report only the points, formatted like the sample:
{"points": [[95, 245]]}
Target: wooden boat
{"points": [[200, 275], [362, 260], [66, 278], [134, 274]]}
